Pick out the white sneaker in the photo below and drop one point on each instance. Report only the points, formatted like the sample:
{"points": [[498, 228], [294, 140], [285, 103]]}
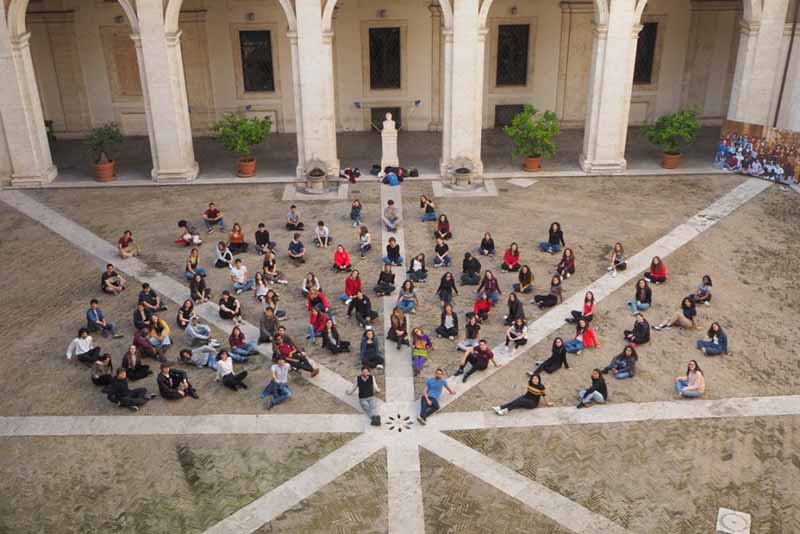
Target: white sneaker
{"points": [[503, 411], [238, 291], [379, 366], [707, 303], [613, 274], [497, 409]]}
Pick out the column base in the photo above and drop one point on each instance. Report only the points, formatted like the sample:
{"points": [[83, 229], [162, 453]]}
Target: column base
{"points": [[602, 167], [38, 180], [446, 167], [176, 176]]}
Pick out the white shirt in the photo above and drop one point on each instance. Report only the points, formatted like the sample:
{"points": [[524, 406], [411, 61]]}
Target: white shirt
{"points": [[261, 290], [239, 275], [79, 345], [322, 232], [281, 373], [224, 367]]}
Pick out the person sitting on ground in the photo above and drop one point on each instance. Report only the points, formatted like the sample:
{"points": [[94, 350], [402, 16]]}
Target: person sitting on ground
{"points": [[229, 308], [511, 259], [317, 299], [393, 256], [224, 256], [120, 394], [293, 222], [491, 286], [472, 331], [260, 287], [159, 334], [297, 250], [525, 280], [341, 260], [487, 247], [150, 299], [363, 308], [555, 295], [225, 372], [618, 262], [441, 257], [187, 234], [429, 209], [530, 400], [369, 353], [657, 273], [429, 402], [241, 349], [204, 356], [407, 298], [293, 356], [352, 285], [417, 271], [398, 328], [640, 334], [516, 311], [447, 286], [355, 212], [566, 266], [584, 338], [322, 235], [141, 340], [267, 326], [192, 265], [385, 285], [478, 358], [96, 321], [717, 342], [111, 282], [199, 290], [470, 270], [364, 241], [270, 269], [596, 393], [236, 242], [185, 313], [693, 384], [174, 384], [586, 313], [642, 298], [102, 371], [310, 282], [481, 307], [126, 246], [331, 339], [278, 387], [239, 277], [213, 217], [555, 240], [367, 386], [517, 333], [420, 347], [557, 359], [316, 324], [686, 317], [391, 216], [82, 349], [448, 326], [263, 243], [443, 229], [703, 291], [132, 363], [624, 364]]}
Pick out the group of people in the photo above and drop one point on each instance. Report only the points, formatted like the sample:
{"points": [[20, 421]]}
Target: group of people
{"points": [[755, 156]]}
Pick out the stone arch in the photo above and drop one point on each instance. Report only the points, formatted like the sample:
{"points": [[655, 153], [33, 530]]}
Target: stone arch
{"points": [[637, 14], [17, 9], [483, 13], [290, 16], [172, 16], [447, 14], [327, 16], [601, 12], [752, 9]]}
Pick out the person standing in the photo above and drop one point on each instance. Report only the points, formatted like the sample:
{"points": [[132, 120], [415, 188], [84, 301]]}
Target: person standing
{"points": [[367, 387], [278, 389], [429, 402]]}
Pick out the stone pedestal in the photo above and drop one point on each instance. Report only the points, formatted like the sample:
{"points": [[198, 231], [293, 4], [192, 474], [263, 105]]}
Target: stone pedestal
{"points": [[316, 181], [389, 156]]}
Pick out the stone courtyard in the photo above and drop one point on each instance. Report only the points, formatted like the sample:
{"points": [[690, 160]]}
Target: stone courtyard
{"points": [[644, 463]]}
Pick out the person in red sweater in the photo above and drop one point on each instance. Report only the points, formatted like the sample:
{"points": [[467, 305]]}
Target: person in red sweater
{"points": [[341, 260], [658, 271], [352, 285], [587, 312], [511, 258], [317, 299], [566, 267], [482, 306], [584, 337], [316, 324]]}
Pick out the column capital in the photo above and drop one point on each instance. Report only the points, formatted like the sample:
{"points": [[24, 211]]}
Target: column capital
{"points": [[637, 28], [173, 39], [292, 36], [600, 31], [482, 33], [20, 42], [448, 36], [749, 27], [435, 9], [327, 38], [137, 40]]}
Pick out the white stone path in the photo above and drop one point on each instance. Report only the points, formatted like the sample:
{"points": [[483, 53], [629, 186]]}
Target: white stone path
{"points": [[405, 511]]}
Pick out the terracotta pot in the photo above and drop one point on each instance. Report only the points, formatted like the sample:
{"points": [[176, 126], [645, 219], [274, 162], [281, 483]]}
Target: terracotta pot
{"points": [[247, 167], [532, 164], [670, 161], [104, 172]]}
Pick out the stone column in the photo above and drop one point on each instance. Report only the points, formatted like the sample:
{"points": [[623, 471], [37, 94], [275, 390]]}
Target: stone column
{"points": [[436, 69], [447, 106], [298, 106], [26, 152], [758, 64], [164, 92], [610, 87]]}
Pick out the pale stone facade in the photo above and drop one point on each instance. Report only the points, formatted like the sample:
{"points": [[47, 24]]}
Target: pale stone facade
{"points": [[169, 68]]}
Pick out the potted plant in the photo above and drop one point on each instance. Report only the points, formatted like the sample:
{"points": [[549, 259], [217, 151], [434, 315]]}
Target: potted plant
{"points": [[672, 131], [102, 141], [239, 134], [533, 137]]}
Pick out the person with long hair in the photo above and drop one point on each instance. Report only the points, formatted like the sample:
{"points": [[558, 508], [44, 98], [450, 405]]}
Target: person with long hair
{"points": [[555, 295], [517, 333], [224, 256], [470, 270], [618, 262], [316, 324], [566, 266], [407, 298], [192, 265], [686, 317], [132, 363], [310, 282], [341, 260], [596, 393], [557, 359], [511, 258], [472, 331], [159, 333], [584, 337], [490, 285], [586, 313], [555, 239], [420, 347], [534, 393], [236, 242], [271, 301], [185, 313], [261, 288], [447, 286], [331, 339], [241, 349], [717, 341], [416, 270], [355, 212], [640, 334], [364, 241], [398, 328], [623, 365], [317, 299], [481, 307], [370, 350], [448, 326], [393, 256], [441, 256], [703, 291], [429, 209], [385, 285], [693, 384], [443, 229], [487, 247], [642, 297], [352, 285], [525, 280], [516, 310], [269, 268], [658, 271], [225, 372]]}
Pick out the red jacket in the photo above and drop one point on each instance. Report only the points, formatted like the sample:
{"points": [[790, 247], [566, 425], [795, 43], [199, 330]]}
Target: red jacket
{"points": [[322, 298], [341, 259], [660, 270], [482, 306], [319, 325], [589, 339], [588, 308], [509, 259], [351, 286]]}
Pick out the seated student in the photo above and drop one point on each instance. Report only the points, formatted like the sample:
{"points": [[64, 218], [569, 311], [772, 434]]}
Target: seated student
{"points": [[229, 308], [618, 262], [192, 265], [317, 299], [486, 247], [174, 384], [429, 401], [352, 285], [267, 325], [703, 291], [416, 271], [448, 326], [260, 288], [270, 269], [470, 270], [481, 307], [355, 212], [385, 285], [96, 321], [642, 298], [420, 347], [717, 341], [102, 371], [111, 282], [126, 246], [586, 313], [596, 393], [120, 394], [132, 363], [624, 364], [363, 308], [236, 242], [530, 400], [185, 313], [407, 298], [310, 282], [364, 241], [205, 356], [278, 388], [447, 286], [478, 358], [640, 333], [213, 217], [657, 273], [199, 290], [556, 360], [515, 310], [197, 333], [297, 250], [241, 349], [331, 339], [293, 222], [693, 384], [443, 229], [293, 356], [555, 295], [490, 286], [398, 328], [224, 256], [511, 258], [442, 256], [686, 317], [82, 348], [472, 332], [555, 240], [393, 256], [566, 267], [159, 333], [225, 372], [239, 277], [525, 277], [322, 235], [150, 299], [517, 333], [391, 216], [263, 242], [428, 207], [187, 234], [316, 324], [341, 260], [141, 340], [584, 337], [369, 352]]}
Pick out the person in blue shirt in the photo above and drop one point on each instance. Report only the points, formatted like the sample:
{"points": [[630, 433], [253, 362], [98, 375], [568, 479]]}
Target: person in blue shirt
{"points": [[297, 250], [429, 402], [717, 341], [96, 321]]}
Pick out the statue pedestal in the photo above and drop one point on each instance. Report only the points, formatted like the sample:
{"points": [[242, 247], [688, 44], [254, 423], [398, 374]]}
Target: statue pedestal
{"points": [[389, 156]]}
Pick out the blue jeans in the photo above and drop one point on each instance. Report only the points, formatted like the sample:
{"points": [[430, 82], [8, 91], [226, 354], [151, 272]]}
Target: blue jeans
{"points": [[364, 249], [244, 350], [494, 297], [573, 345], [406, 306], [210, 224], [642, 306], [712, 349], [426, 411], [247, 286], [622, 375], [446, 261], [344, 297], [488, 252], [198, 270], [355, 217], [594, 396], [166, 342], [236, 356], [528, 289], [391, 225], [271, 246], [545, 246], [278, 392], [680, 384], [312, 334], [428, 217], [398, 261]]}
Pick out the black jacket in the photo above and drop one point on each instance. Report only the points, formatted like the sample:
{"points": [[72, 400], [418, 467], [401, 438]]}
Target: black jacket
{"points": [[362, 306], [515, 310], [168, 386], [471, 265], [598, 384], [118, 390], [641, 332], [556, 360], [455, 320]]}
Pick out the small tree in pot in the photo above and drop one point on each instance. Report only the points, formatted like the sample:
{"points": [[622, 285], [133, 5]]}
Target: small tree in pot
{"points": [[533, 137], [102, 141], [671, 132], [239, 134]]}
